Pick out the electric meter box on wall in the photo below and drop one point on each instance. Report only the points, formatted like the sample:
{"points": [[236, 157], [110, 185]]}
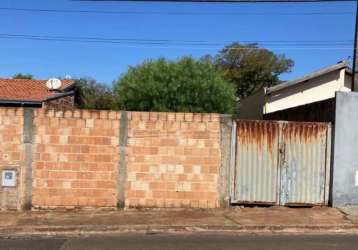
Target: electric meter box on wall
{"points": [[8, 178]]}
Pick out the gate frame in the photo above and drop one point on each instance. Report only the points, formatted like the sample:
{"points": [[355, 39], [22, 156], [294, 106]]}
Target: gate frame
{"points": [[329, 166], [232, 171]]}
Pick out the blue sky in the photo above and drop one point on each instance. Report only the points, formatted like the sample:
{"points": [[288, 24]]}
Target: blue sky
{"points": [[216, 24]]}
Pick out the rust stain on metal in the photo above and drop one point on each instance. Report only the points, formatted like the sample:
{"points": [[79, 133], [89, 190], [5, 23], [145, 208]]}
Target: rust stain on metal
{"points": [[304, 132], [264, 134], [259, 133]]}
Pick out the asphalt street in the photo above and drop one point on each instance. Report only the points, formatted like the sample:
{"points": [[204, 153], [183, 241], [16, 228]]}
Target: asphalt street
{"points": [[192, 241]]}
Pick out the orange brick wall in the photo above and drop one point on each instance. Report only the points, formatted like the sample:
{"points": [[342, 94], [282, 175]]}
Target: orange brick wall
{"points": [[11, 156], [173, 160], [76, 155]]}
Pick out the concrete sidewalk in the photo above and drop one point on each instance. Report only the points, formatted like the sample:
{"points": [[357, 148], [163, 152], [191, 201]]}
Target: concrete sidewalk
{"points": [[245, 220]]}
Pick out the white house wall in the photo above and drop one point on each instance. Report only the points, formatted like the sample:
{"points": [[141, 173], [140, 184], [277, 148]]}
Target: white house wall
{"points": [[314, 90]]}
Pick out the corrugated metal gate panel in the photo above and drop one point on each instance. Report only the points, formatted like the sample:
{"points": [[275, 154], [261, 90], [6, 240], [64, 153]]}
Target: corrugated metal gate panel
{"points": [[303, 172], [257, 173], [283, 163]]}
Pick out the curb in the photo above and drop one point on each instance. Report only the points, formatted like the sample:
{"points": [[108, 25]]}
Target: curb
{"points": [[28, 231]]}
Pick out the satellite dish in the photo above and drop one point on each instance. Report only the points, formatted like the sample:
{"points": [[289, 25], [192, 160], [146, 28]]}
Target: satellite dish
{"points": [[53, 84]]}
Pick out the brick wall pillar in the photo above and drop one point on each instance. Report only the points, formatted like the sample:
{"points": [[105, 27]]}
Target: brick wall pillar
{"points": [[28, 140], [227, 148], [122, 171]]}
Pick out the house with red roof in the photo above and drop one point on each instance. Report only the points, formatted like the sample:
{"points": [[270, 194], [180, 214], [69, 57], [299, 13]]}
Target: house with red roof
{"points": [[37, 93]]}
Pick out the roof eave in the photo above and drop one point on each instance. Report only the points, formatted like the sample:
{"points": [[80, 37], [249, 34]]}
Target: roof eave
{"points": [[338, 66], [70, 93], [69, 87], [20, 102]]}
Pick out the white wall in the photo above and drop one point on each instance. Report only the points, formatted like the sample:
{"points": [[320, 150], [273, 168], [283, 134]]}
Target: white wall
{"points": [[345, 163], [314, 90]]}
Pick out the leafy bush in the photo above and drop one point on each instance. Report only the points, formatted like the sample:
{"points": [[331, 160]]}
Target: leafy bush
{"points": [[185, 85]]}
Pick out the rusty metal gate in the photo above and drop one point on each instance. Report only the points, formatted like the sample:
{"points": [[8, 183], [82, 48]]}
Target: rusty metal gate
{"points": [[281, 163]]}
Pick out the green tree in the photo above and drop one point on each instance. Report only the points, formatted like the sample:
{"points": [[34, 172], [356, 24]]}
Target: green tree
{"points": [[23, 76], [250, 67], [94, 95], [185, 85]]}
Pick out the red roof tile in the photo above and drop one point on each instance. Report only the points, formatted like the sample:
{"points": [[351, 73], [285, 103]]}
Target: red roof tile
{"points": [[28, 90]]}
